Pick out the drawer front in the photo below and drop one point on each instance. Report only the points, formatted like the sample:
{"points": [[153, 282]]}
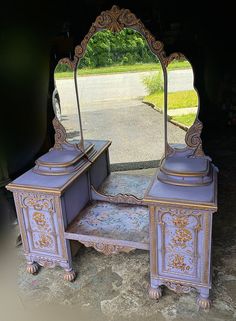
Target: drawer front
{"points": [[41, 223], [180, 240]]}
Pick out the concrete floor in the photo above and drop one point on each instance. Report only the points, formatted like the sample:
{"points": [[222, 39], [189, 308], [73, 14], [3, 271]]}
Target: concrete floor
{"points": [[115, 288]]}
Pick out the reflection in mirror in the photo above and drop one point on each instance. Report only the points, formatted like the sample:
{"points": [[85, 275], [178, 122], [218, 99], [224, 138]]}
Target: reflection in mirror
{"points": [[182, 102], [115, 78], [64, 101]]}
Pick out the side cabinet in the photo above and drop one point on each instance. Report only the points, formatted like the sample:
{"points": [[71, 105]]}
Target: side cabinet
{"points": [[42, 229], [180, 249]]}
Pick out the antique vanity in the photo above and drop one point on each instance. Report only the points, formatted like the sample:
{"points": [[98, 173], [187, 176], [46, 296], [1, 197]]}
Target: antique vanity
{"points": [[70, 193]]}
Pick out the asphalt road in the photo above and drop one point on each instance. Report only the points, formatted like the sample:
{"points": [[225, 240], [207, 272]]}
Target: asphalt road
{"points": [[112, 108]]}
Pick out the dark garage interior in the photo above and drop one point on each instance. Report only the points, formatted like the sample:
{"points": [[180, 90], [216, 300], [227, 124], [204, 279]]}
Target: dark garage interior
{"points": [[34, 39]]}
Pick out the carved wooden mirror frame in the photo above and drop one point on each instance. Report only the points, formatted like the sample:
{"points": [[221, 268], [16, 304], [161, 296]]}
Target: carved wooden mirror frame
{"points": [[115, 20]]}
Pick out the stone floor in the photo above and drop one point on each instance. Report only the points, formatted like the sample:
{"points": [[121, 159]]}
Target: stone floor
{"points": [[115, 288]]}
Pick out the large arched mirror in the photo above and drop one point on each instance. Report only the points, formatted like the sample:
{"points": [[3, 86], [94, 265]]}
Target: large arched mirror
{"points": [[116, 88], [115, 76]]}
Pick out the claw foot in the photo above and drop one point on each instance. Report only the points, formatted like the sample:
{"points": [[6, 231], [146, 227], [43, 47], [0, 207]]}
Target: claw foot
{"points": [[204, 303], [70, 275], [155, 293], [32, 268]]}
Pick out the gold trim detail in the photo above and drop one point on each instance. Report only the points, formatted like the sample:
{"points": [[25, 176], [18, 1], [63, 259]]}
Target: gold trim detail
{"points": [[37, 201], [115, 20], [182, 236], [39, 219], [178, 263], [177, 287], [107, 249], [181, 221], [44, 241]]}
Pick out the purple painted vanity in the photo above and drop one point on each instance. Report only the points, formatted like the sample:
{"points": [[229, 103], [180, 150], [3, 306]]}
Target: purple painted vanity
{"points": [[70, 194]]}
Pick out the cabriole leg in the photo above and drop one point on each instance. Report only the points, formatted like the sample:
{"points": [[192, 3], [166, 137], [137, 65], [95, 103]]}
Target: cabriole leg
{"points": [[203, 299]]}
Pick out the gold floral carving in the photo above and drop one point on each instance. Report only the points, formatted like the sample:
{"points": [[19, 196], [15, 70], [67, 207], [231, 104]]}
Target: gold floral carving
{"points": [[178, 263], [177, 287], [193, 138], [44, 241], [39, 219], [182, 236], [37, 201], [181, 221], [107, 249]]}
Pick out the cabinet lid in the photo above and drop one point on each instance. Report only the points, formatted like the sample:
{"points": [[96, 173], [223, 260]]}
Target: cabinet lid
{"points": [[180, 166], [62, 161]]}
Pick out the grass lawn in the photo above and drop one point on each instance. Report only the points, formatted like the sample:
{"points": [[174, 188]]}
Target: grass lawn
{"points": [[186, 120], [179, 99], [122, 68]]}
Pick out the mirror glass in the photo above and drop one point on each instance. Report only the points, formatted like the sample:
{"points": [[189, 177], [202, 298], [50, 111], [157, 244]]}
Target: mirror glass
{"points": [[182, 102], [118, 80], [64, 101]]}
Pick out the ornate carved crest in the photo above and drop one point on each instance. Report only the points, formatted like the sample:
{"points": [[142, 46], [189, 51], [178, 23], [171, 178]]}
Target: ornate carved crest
{"points": [[115, 20]]}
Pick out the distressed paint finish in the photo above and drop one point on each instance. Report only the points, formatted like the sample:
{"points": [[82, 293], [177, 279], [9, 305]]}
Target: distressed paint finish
{"points": [[118, 222]]}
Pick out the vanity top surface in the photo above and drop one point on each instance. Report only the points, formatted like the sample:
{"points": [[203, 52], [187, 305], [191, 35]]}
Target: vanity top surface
{"points": [[54, 183]]}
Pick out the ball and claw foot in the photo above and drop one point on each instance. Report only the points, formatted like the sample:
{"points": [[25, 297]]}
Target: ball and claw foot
{"points": [[155, 293], [204, 303], [70, 275], [32, 268]]}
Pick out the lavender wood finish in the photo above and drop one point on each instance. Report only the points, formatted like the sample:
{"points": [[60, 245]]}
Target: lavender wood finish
{"points": [[180, 237], [46, 204], [181, 197]]}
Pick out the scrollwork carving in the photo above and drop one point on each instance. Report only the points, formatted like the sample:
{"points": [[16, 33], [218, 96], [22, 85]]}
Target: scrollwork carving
{"points": [[60, 133], [193, 138], [177, 287], [107, 249], [37, 201], [115, 20], [119, 198], [173, 56]]}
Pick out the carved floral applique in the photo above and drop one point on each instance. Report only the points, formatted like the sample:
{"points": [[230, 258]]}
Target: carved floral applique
{"points": [[178, 263]]}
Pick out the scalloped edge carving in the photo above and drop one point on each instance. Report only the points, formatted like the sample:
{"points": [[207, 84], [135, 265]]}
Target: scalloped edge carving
{"points": [[107, 249], [177, 287], [118, 198]]}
